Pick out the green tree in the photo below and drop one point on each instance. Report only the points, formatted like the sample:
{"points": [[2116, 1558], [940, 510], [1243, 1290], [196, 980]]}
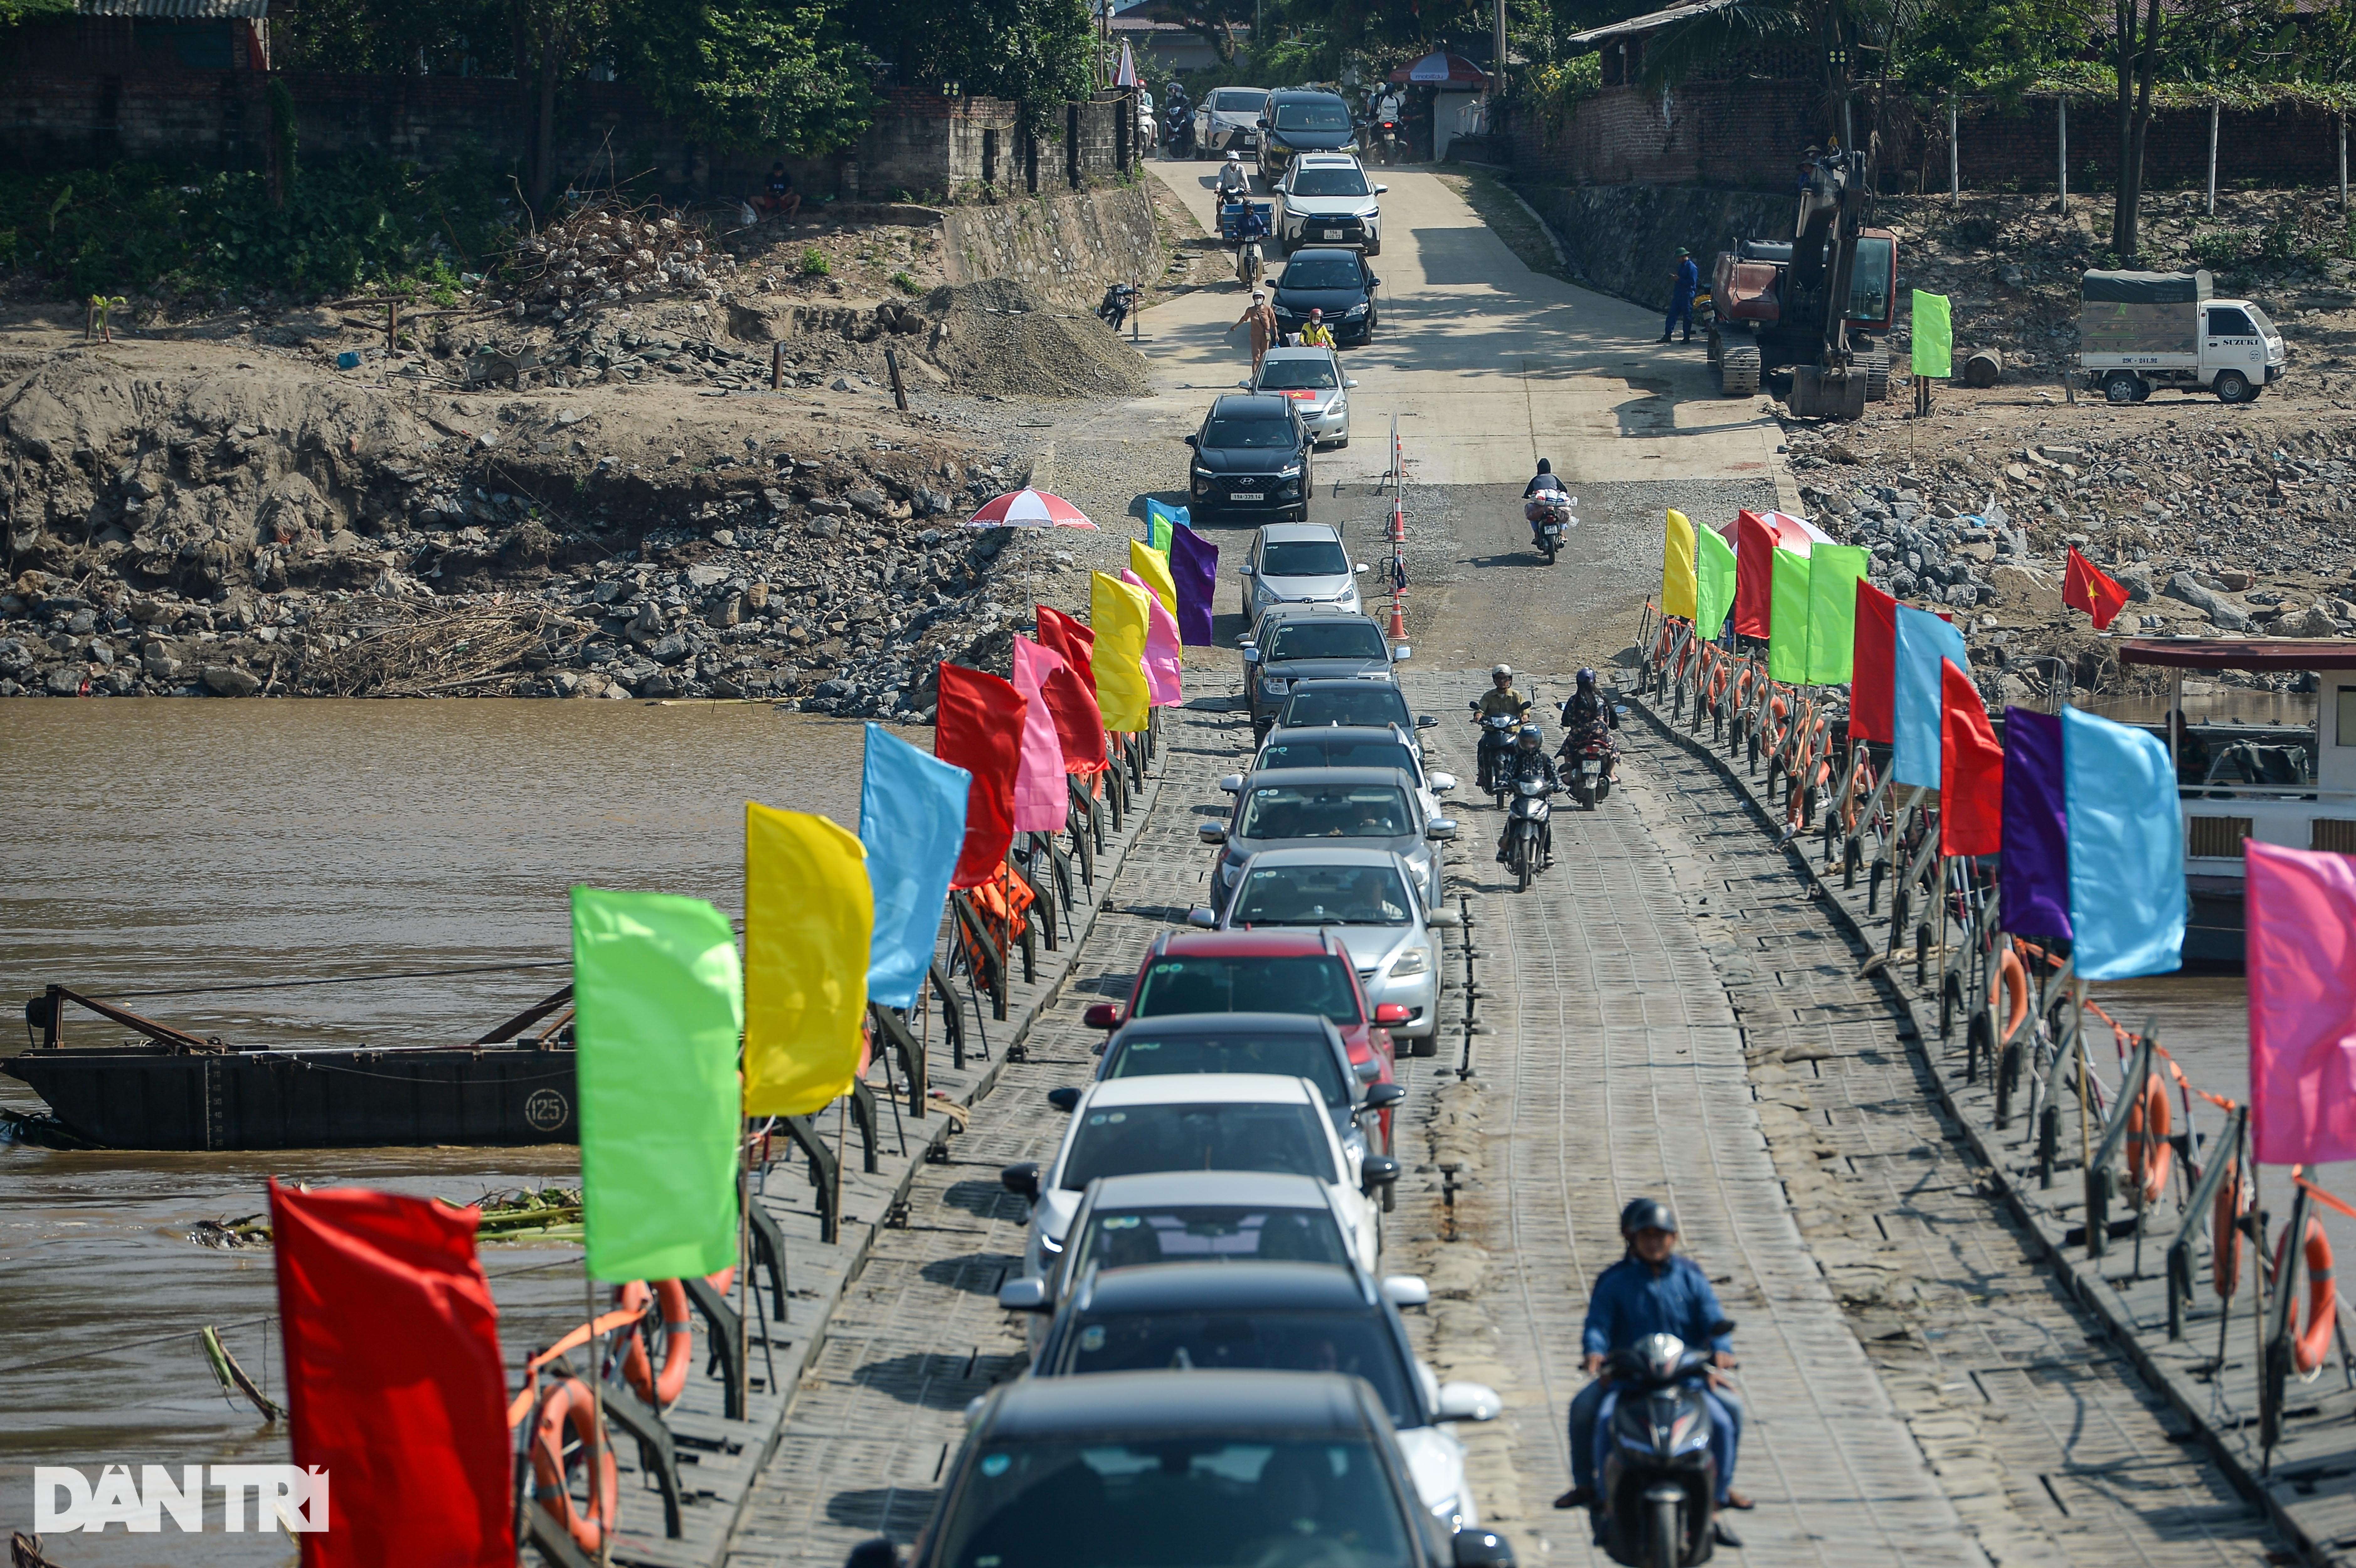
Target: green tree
{"points": [[751, 75], [1039, 53]]}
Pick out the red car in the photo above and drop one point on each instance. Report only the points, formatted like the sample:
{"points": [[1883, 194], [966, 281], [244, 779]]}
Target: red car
{"points": [[1254, 972]]}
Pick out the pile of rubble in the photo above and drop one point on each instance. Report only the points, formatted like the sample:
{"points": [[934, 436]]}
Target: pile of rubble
{"points": [[2245, 529]]}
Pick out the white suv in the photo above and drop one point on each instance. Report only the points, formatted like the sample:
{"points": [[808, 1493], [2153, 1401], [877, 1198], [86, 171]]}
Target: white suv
{"points": [[1325, 198]]}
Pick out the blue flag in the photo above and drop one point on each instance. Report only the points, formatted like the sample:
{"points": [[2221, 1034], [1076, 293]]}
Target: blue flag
{"points": [[2126, 849], [1923, 641], [912, 820], [1161, 521]]}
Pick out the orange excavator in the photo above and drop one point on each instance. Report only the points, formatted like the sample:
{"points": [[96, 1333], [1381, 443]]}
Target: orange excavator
{"points": [[1819, 304]]}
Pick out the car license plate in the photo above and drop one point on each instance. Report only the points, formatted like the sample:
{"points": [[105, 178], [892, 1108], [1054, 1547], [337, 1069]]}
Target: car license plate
{"points": [[1246, 496], [1333, 233]]}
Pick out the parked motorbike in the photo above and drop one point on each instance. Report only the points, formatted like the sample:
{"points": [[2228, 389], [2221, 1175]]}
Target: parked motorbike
{"points": [[1529, 837], [1548, 515], [1496, 735], [1119, 300], [1659, 1478], [1588, 768]]}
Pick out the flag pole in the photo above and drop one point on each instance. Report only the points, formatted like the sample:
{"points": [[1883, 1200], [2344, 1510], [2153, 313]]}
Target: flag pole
{"points": [[744, 1267], [595, 1458]]}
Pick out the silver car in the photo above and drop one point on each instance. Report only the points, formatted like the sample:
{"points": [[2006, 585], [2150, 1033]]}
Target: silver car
{"points": [[1298, 563], [1370, 900], [1348, 746], [1313, 379], [1362, 808], [1228, 120]]}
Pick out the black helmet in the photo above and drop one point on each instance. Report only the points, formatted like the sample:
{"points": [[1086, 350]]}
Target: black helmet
{"points": [[1647, 1214], [1544, 466], [1587, 677]]}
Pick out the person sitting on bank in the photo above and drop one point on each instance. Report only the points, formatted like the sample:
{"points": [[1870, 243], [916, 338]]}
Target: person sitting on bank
{"points": [[777, 193]]}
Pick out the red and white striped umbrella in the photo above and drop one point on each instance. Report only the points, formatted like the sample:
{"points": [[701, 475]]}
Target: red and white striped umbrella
{"points": [[1028, 509]]}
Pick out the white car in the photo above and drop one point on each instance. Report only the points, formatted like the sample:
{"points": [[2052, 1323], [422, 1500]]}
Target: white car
{"points": [[1313, 379], [1207, 1121], [1325, 198], [1298, 563], [1229, 121]]}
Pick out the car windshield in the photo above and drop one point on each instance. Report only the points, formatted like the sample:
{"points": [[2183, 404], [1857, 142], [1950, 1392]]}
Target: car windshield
{"points": [[1335, 639], [1329, 182], [1315, 983], [2260, 319], [1197, 1232], [1310, 751], [1230, 433], [1303, 557], [1287, 1137], [1295, 375], [1360, 702], [1312, 116], [1194, 1502], [1326, 811], [1292, 1054], [1358, 1343], [1320, 272], [1321, 895], [1238, 101]]}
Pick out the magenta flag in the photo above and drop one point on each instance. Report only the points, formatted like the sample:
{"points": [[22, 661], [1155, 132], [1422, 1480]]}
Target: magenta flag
{"points": [[1195, 565], [2300, 920], [1042, 798], [1161, 647]]}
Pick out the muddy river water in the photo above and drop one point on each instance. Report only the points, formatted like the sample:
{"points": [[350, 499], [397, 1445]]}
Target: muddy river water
{"points": [[168, 846]]}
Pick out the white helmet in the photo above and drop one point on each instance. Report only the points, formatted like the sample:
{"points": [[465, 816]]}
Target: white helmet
{"points": [[1235, 158], [1505, 669]]}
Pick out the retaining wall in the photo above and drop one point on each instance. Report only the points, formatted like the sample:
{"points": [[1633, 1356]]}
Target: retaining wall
{"points": [[1067, 246]]}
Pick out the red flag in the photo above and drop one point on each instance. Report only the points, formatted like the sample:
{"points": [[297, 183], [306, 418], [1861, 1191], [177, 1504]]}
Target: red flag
{"points": [[1079, 722], [1754, 575], [1075, 640], [1873, 664], [2086, 588], [978, 726], [1971, 769], [394, 1382]]}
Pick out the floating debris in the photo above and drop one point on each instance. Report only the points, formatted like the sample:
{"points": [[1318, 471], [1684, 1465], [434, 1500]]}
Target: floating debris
{"points": [[231, 1234]]}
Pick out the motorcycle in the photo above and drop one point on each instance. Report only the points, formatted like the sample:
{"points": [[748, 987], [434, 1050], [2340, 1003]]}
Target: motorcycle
{"points": [[1178, 132], [1548, 515], [1386, 141], [1529, 840], [1496, 735], [1587, 769], [1119, 300], [1659, 1477], [1251, 263]]}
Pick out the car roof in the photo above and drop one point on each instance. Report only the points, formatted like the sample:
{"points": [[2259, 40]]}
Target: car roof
{"points": [[1303, 777], [1243, 944], [1333, 857], [1312, 352], [1346, 734], [1239, 1286], [1310, 160], [1294, 94], [1287, 532], [1221, 1186], [1319, 253], [1338, 682], [1245, 1405], [1174, 1025], [1202, 1089], [1243, 405]]}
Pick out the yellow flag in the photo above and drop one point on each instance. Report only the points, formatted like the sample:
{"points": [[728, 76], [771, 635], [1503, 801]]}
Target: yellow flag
{"points": [[1153, 565], [810, 916], [1677, 567], [1118, 616]]}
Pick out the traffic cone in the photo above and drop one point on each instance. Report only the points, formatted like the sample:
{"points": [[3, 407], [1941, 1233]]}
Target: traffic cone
{"points": [[1398, 522], [1399, 619]]}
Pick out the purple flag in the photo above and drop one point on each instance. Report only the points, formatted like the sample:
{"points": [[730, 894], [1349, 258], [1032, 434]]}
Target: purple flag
{"points": [[2033, 879], [1195, 564]]}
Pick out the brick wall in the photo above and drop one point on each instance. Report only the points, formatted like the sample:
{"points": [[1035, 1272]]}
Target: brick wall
{"points": [[1749, 136], [923, 144]]}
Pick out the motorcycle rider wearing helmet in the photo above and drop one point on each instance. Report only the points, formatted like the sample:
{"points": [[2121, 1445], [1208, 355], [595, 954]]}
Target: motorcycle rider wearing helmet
{"points": [[1501, 698], [1588, 713], [1652, 1290], [1525, 761], [1543, 491], [1234, 184], [1316, 335]]}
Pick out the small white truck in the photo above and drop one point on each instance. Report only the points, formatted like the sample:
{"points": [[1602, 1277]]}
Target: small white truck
{"points": [[2141, 330]]}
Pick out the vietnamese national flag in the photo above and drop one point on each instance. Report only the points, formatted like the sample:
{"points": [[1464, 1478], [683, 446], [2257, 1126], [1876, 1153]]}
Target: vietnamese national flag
{"points": [[978, 726], [1074, 639], [394, 1382], [1971, 769], [2086, 588]]}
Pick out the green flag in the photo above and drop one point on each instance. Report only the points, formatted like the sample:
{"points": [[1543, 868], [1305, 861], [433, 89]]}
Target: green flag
{"points": [[658, 1001], [1714, 586], [1935, 335], [1787, 619], [1832, 571]]}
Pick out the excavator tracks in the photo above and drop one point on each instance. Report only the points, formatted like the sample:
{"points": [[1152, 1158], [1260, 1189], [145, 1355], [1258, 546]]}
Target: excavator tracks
{"points": [[1738, 370]]}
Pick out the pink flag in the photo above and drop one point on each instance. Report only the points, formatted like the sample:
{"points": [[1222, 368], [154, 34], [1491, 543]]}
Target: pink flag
{"points": [[2300, 916], [1043, 801], [1160, 647]]}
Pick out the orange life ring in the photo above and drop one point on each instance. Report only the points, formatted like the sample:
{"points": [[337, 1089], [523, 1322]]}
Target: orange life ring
{"points": [[2013, 980], [2225, 1234], [570, 1401], [678, 1343], [2150, 1153], [2310, 1344]]}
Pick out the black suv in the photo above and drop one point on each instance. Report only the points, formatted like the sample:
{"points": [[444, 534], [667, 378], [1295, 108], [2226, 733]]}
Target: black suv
{"points": [[1302, 122], [1335, 281], [1251, 455]]}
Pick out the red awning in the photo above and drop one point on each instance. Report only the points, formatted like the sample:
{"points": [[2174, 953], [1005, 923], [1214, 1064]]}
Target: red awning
{"points": [[2236, 653]]}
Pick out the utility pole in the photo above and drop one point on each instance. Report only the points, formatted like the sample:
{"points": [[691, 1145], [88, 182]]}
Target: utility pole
{"points": [[1497, 89], [2062, 113]]}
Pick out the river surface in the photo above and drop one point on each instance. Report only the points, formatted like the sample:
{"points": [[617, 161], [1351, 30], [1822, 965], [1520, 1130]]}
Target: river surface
{"points": [[169, 845]]}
